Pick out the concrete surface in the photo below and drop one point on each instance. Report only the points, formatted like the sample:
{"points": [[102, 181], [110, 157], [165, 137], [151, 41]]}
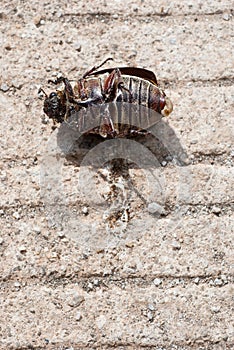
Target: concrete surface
{"points": [[165, 280]]}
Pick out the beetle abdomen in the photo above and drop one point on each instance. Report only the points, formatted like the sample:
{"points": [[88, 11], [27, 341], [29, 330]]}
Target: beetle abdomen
{"points": [[142, 92]]}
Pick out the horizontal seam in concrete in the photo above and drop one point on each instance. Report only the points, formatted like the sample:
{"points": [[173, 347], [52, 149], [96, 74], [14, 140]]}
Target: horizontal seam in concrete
{"points": [[142, 15], [109, 280], [191, 345], [168, 206]]}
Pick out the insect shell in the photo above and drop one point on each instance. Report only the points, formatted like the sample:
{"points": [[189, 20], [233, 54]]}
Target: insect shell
{"points": [[127, 84]]}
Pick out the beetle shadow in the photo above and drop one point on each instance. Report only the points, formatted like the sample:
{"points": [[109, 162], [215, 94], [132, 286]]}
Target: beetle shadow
{"points": [[105, 181], [79, 135]]}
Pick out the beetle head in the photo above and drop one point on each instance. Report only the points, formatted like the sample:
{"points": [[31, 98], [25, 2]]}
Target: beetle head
{"points": [[55, 105]]}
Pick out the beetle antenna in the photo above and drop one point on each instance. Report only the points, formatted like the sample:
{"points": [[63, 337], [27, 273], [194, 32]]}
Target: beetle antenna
{"points": [[43, 91], [97, 67]]}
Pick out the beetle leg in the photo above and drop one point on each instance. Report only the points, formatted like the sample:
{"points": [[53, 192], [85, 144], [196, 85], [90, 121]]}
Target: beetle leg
{"points": [[97, 67], [94, 131], [111, 85], [106, 127], [135, 132], [122, 87], [68, 87]]}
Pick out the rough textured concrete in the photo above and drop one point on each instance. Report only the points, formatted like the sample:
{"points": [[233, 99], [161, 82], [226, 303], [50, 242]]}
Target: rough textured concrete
{"points": [[164, 279]]}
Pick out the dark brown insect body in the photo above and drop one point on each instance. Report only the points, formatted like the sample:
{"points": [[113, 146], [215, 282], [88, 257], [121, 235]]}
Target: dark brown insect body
{"points": [[133, 85]]}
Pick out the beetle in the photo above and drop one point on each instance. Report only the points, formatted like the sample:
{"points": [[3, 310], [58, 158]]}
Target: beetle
{"points": [[100, 87]]}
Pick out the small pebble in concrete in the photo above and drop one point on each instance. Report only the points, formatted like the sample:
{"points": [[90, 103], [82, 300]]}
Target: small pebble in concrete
{"points": [[218, 282], [22, 249], [215, 309], [216, 210], [78, 316], [61, 234], [75, 300], [101, 321], [176, 245], [226, 17], [157, 282], [173, 41], [155, 208], [16, 84], [17, 284], [90, 286], [4, 87], [37, 229], [151, 307], [77, 46], [85, 210], [150, 316], [16, 215]]}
